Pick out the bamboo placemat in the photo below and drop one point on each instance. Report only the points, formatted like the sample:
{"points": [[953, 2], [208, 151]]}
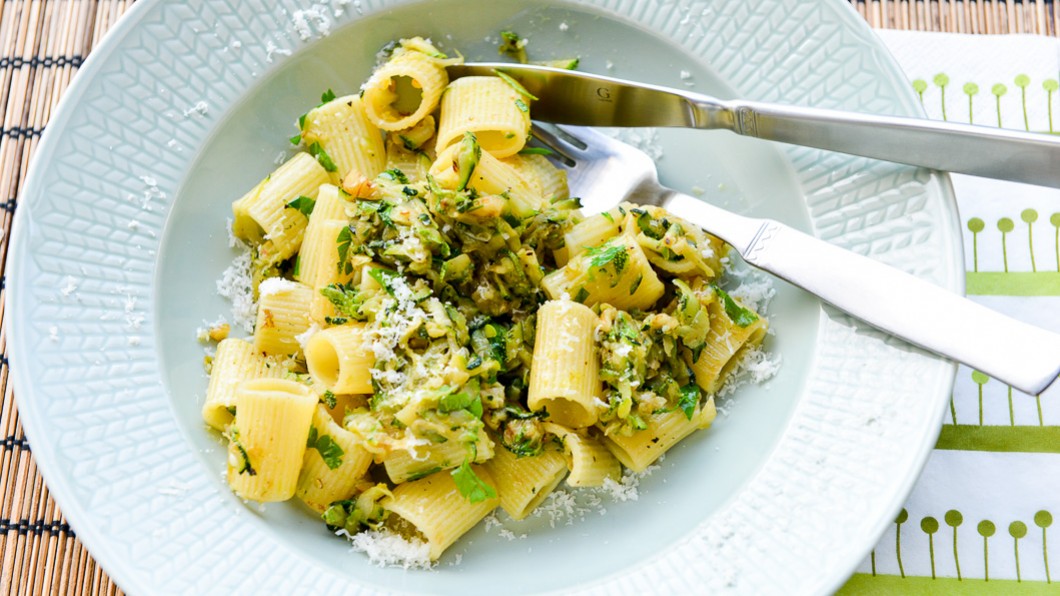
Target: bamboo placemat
{"points": [[42, 44]]}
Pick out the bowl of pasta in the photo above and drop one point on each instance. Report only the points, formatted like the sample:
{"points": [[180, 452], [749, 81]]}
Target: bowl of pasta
{"points": [[343, 326]]}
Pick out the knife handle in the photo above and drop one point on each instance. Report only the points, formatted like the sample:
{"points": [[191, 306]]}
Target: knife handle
{"points": [[969, 149], [1015, 353]]}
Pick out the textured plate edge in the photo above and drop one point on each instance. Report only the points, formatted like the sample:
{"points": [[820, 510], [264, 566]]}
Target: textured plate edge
{"points": [[55, 481], [956, 283]]}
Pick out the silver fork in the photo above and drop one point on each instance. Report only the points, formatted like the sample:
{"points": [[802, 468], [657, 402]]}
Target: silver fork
{"points": [[603, 171]]}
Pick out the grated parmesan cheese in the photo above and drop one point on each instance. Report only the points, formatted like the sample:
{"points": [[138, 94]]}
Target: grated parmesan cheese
{"points": [[236, 284], [387, 549], [275, 285]]}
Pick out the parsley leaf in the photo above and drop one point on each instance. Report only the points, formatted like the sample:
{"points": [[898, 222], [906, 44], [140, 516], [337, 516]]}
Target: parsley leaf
{"points": [[303, 204], [609, 253], [688, 399], [471, 487], [329, 399], [326, 97], [384, 278], [329, 450], [738, 314], [581, 295], [322, 157], [343, 242], [296, 139], [519, 103]]}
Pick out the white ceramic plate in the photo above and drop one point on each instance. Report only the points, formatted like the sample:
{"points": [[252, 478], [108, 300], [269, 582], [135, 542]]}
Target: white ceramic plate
{"points": [[120, 236]]}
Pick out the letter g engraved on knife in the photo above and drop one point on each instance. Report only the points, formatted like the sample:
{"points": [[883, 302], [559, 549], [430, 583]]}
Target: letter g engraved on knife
{"points": [[603, 93]]}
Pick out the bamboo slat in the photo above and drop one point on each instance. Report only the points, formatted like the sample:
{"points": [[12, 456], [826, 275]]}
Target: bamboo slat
{"points": [[42, 45]]}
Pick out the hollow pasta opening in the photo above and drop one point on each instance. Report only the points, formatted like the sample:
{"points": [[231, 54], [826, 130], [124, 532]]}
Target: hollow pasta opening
{"points": [[568, 413], [322, 360], [408, 96]]}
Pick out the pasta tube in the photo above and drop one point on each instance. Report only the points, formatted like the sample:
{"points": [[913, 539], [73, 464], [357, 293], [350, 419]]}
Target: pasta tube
{"points": [[524, 482], [589, 461], [434, 508], [235, 361], [342, 129], [283, 314], [338, 359], [490, 108], [267, 441], [642, 448], [491, 177], [402, 465], [262, 215], [725, 341], [404, 90], [616, 273], [564, 375], [334, 462]]}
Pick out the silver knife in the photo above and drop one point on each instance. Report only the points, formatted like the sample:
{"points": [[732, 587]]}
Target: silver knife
{"points": [[571, 97]]}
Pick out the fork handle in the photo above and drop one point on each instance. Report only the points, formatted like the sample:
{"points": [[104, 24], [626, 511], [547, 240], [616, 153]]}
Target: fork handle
{"points": [[1013, 352], [977, 150]]}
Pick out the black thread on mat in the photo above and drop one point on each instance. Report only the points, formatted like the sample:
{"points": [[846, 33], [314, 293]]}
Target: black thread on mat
{"points": [[37, 528], [11, 442], [18, 131], [16, 62]]}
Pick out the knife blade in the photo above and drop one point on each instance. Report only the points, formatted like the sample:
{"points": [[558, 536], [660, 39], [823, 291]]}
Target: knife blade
{"points": [[572, 97]]}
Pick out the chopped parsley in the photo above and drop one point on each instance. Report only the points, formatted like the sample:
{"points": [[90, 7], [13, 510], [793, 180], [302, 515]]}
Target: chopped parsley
{"points": [[688, 399], [384, 278], [322, 157], [329, 399], [519, 103], [471, 487], [303, 204], [609, 253], [343, 242], [581, 295], [329, 450], [738, 314]]}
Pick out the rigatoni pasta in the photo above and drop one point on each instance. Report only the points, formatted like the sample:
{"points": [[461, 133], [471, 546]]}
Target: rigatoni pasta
{"points": [[434, 508], [440, 330], [267, 440], [564, 379], [262, 216], [488, 107]]}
